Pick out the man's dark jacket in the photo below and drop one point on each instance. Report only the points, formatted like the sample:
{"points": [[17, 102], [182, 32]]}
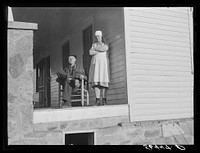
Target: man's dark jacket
{"points": [[63, 75]]}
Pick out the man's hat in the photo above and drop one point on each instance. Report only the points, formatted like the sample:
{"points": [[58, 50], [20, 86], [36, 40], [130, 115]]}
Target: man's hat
{"points": [[72, 55]]}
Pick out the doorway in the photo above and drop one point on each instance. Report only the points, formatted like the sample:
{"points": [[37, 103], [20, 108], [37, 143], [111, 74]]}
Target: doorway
{"points": [[87, 35], [43, 83], [65, 54]]}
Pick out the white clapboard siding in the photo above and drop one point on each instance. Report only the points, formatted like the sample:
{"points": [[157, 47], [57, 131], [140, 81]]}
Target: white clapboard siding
{"points": [[161, 67], [166, 13], [140, 34], [163, 100], [158, 31], [159, 72], [158, 61], [159, 57], [162, 78], [140, 13], [163, 106], [159, 41], [159, 46]]}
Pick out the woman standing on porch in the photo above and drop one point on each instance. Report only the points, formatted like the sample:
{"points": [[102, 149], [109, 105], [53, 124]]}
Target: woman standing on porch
{"points": [[99, 68]]}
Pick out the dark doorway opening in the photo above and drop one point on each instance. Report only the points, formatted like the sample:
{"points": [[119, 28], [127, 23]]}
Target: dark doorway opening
{"points": [[65, 54], [79, 138], [87, 35], [43, 83]]}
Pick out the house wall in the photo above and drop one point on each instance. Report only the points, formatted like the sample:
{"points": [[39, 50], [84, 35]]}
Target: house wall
{"points": [[158, 56]]}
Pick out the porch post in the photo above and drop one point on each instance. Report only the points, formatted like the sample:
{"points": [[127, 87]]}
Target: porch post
{"points": [[20, 79]]}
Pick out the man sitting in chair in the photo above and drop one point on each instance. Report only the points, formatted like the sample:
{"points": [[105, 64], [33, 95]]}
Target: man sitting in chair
{"points": [[70, 79]]}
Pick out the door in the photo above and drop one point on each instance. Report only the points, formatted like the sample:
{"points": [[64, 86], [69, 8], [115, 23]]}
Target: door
{"points": [[87, 34], [65, 54], [43, 83]]}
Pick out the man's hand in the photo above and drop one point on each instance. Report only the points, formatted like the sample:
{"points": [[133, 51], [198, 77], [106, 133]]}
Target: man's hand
{"points": [[77, 83], [81, 76]]}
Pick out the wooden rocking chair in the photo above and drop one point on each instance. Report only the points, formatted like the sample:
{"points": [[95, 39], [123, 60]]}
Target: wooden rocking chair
{"points": [[82, 96]]}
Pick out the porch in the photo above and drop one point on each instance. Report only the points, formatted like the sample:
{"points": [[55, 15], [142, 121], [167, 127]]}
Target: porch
{"points": [[45, 115]]}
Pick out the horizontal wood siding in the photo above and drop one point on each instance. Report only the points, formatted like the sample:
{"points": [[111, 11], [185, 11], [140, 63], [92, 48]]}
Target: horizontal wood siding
{"points": [[54, 91], [158, 54]]}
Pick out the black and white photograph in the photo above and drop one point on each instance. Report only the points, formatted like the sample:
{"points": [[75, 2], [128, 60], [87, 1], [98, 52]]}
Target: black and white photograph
{"points": [[101, 76]]}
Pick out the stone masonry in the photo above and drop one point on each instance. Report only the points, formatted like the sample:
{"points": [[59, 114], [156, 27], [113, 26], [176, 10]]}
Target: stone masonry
{"points": [[20, 68]]}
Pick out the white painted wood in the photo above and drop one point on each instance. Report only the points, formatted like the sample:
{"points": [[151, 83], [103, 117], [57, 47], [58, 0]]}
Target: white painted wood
{"points": [[127, 28], [78, 113], [182, 10], [166, 111], [161, 67], [159, 57], [190, 10], [142, 34], [156, 62], [10, 14], [158, 22], [158, 31], [157, 16], [160, 84], [149, 90], [154, 106], [160, 26], [159, 52], [163, 100], [160, 72], [162, 78], [163, 116], [158, 46], [159, 41], [163, 12], [163, 95]]}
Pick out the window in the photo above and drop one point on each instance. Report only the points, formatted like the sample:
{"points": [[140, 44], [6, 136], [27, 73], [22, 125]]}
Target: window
{"points": [[79, 138]]}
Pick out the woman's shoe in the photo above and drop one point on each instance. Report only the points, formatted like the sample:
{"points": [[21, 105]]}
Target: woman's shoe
{"points": [[104, 101], [97, 102]]}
